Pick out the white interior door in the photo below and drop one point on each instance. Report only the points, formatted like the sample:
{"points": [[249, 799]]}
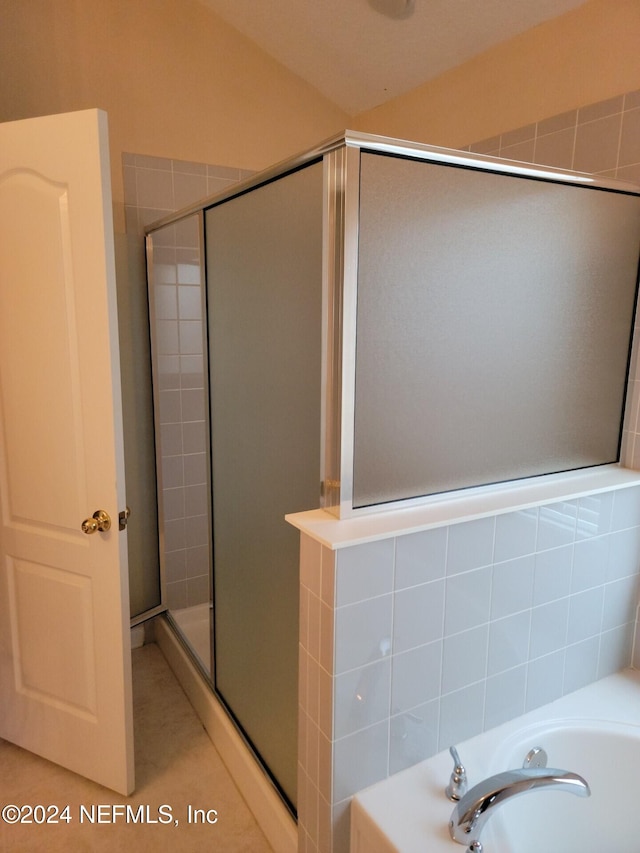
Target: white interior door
{"points": [[65, 663]]}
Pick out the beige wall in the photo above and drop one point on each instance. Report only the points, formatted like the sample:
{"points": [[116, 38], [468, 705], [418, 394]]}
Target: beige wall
{"points": [[175, 80], [178, 82], [585, 56]]}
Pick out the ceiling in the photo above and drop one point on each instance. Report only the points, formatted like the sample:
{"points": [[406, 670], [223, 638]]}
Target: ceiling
{"points": [[359, 58]]}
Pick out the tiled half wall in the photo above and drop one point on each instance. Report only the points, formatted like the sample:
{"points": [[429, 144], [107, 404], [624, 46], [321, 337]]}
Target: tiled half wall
{"points": [[414, 643]]}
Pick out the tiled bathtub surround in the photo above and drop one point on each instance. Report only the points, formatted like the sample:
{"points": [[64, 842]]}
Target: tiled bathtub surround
{"points": [[414, 643]]}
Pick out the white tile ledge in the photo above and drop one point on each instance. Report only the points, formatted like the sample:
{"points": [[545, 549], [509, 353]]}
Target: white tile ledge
{"points": [[457, 507]]}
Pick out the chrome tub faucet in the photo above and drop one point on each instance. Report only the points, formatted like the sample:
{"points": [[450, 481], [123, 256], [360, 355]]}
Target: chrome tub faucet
{"points": [[474, 809]]}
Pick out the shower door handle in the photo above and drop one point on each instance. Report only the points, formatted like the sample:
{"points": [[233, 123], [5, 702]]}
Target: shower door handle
{"points": [[100, 520]]}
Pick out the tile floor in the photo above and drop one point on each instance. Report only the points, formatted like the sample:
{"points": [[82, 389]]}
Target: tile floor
{"points": [[176, 764]]}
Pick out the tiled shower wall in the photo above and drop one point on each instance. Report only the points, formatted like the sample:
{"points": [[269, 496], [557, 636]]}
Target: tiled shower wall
{"points": [[155, 187], [413, 643], [602, 138]]}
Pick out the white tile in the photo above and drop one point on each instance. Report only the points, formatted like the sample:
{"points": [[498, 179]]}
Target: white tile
{"points": [[544, 680], [172, 471], [594, 515], [195, 469], [552, 574], [512, 588], [549, 627], [310, 565], [624, 553], [505, 697], [420, 557], [461, 715], [328, 581], [303, 679], [168, 371], [189, 273], [194, 437], [190, 303], [364, 571], [556, 524], [313, 689], [191, 337], [165, 302], [585, 614], [509, 642], [197, 530], [303, 618], [581, 664], [169, 407], [171, 439], [325, 714], [176, 595], [414, 736], [166, 337], [620, 602], [590, 558], [154, 189], [314, 616], [188, 189], [418, 615], [362, 697], [626, 508], [174, 535], [363, 633], [327, 621], [515, 534], [468, 600], [198, 590], [360, 760], [172, 503], [415, 677], [470, 545], [198, 560], [196, 500], [175, 565], [464, 658], [615, 649], [192, 370]]}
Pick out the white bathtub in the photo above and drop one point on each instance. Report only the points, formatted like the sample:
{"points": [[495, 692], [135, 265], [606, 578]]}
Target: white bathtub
{"points": [[594, 732]]}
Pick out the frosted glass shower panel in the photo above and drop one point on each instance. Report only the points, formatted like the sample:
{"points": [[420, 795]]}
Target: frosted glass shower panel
{"points": [[494, 318], [264, 274]]}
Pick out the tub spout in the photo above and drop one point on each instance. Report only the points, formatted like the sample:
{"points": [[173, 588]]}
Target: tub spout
{"points": [[478, 804]]}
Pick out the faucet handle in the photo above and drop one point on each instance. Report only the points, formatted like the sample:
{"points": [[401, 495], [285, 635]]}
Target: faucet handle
{"points": [[536, 757], [457, 786]]}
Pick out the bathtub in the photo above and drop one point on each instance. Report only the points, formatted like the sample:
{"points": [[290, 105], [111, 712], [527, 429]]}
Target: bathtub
{"points": [[594, 732]]}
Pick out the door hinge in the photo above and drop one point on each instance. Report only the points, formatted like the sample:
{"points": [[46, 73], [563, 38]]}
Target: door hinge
{"points": [[123, 518]]}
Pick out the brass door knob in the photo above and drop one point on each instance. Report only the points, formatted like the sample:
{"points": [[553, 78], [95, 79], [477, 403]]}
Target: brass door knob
{"points": [[100, 520]]}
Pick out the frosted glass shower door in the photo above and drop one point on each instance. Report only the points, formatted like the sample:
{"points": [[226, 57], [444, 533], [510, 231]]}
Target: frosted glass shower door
{"points": [[264, 286]]}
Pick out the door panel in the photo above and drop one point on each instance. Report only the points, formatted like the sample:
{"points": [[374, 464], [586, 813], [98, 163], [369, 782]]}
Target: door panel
{"points": [[65, 664]]}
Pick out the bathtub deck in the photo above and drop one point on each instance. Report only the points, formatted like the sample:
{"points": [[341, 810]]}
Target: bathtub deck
{"points": [[409, 812]]}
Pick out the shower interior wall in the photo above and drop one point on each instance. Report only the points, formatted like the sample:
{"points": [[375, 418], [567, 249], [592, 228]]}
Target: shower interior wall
{"points": [[596, 557], [155, 187]]}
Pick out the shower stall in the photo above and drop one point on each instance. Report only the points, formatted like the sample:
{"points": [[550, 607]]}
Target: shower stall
{"points": [[362, 328], [238, 423]]}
